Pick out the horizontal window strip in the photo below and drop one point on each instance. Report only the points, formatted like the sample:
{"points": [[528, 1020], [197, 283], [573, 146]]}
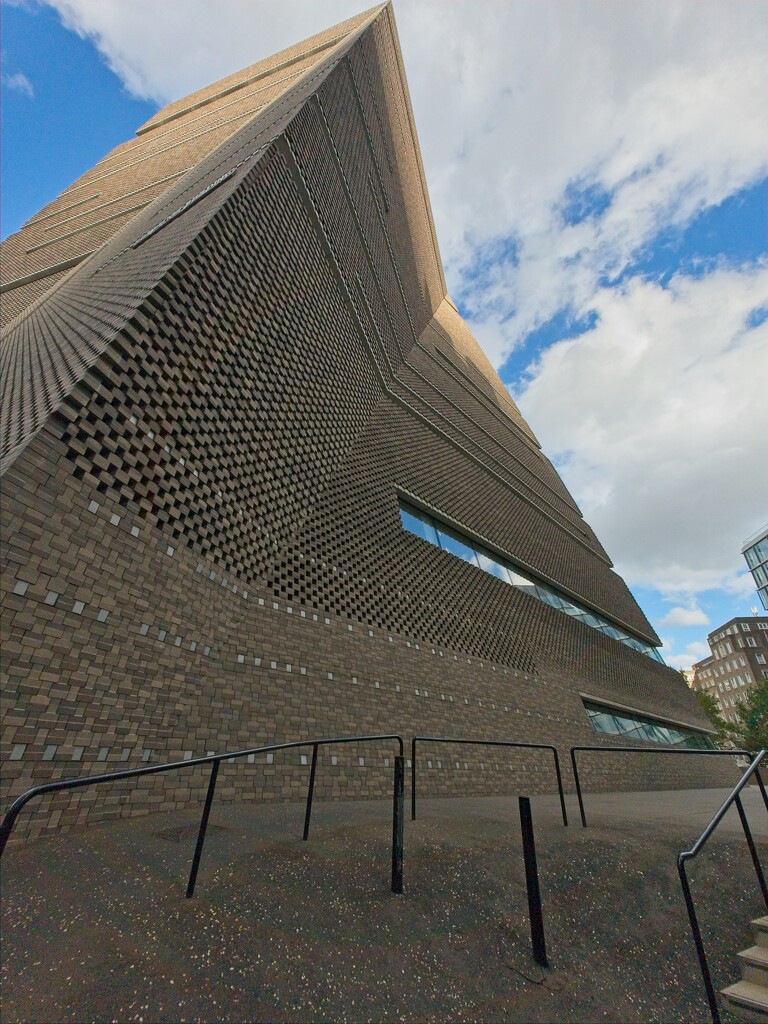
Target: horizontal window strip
{"points": [[118, 199], [157, 120], [87, 227], [183, 209], [615, 722], [449, 539], [38, 275], [40, 217]]}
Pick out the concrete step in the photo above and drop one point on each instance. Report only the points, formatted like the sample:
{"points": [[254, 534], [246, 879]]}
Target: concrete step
{"points": [[747, 1000], [754, 965], [760, 925]]}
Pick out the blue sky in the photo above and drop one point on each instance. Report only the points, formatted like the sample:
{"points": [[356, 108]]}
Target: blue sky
{"points": [[76, 112], [732, 233], [598, 177]]}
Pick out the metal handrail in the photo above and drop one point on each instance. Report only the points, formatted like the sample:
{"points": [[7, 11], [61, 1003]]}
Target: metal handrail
{"points": [[484, 743], [6, 828], [658, 750], [733, 798]]}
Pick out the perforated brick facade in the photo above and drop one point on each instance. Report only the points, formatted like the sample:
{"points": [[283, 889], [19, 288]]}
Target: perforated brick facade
{"points": [[208, 423]]}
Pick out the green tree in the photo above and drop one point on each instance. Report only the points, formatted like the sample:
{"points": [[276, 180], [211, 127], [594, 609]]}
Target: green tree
{"points": [[711, 709], [750, 730]]}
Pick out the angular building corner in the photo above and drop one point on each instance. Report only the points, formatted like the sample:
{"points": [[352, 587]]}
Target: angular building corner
{"points": [[260, 483]]}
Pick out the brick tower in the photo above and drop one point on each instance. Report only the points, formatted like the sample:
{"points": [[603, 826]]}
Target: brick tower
{"points": [[261, 483]]}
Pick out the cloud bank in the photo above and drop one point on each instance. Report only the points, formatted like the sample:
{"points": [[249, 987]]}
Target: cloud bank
{"points": [[657, 420]]}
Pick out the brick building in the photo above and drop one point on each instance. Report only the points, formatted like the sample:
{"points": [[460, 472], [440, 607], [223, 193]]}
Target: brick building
{"points": [[261, 483], [738, 661]]}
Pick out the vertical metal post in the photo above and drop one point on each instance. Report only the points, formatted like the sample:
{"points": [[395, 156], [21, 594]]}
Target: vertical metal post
{"points": [[413, 779], [578, 788], [398, 795], [10, 819], [699, 943], [761, 784], [752, 850], [560, 787], [532, 883], [202, 829], [310, 791]]}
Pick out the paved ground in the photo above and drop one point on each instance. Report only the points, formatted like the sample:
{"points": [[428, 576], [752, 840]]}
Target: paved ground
{"points": [[96, 926]]}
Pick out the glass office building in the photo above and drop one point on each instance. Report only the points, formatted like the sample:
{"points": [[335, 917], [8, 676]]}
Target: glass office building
{"points": [[755, 552]]}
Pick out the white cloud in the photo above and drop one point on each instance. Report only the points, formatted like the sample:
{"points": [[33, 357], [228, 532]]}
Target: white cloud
{"points": [[657, 420], [207, 40], [743, 586], [692, 653], [17, 81], [680, 616]]}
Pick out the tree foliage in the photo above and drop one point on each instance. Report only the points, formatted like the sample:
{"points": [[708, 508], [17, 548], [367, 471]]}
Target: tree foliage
{"points": [[711, 709], [750, 730]]}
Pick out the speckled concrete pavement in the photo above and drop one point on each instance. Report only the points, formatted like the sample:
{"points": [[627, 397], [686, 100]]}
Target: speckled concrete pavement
{"points": [[96, 926]]}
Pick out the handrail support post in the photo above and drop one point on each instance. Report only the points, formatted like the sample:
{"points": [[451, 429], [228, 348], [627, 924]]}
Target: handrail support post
{"points": [[698, 942], [413, 778], [202, 829], [752, 850], [560, 786], [578, 788], [761, 784], [398, 796], [310, 792], [532, 883]]}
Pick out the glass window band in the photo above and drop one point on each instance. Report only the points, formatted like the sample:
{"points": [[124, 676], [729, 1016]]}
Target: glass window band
{"points": [[636, 727], [454, 543]]}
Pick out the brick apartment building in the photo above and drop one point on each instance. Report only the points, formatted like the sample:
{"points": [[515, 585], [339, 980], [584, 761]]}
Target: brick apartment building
{"points": [[739, 660], [259, 481]]}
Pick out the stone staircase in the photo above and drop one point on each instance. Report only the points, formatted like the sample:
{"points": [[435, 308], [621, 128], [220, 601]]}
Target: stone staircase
{"points": [[748, 998]]}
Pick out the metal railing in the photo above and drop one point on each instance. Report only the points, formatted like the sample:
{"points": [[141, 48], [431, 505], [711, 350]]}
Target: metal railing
{"points": [[660, 750], [484, 743], [214, 760], [685, 856]]}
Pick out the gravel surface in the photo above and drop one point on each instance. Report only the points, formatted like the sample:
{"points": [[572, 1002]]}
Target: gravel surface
{"points": [[96, 927]]}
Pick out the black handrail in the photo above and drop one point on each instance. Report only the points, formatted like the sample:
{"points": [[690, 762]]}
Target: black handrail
{"points": [[6, 828], [657, 750], [484, 743], [686, 855]]}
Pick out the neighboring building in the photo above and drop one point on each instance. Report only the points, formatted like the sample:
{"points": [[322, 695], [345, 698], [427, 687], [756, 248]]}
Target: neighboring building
{"points": [[755, 552], [738, 661], [261, 483]]}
